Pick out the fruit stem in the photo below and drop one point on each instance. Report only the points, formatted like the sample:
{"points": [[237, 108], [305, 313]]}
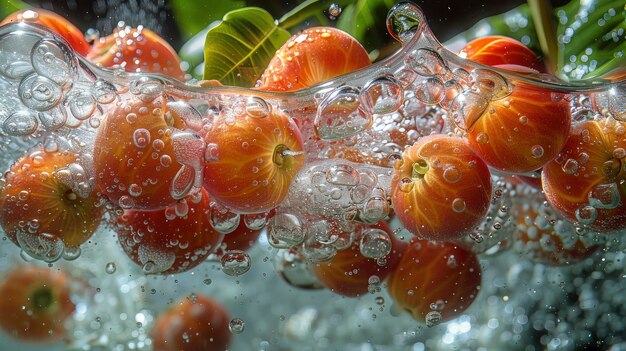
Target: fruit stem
{"points": [[283, 156], [419, 170], [42, 298], [541, 13]]}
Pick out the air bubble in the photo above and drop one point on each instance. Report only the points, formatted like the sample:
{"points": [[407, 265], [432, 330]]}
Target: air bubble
{"points": [[256, 107], [141, 138], [110, 268], [285, 230], [433, 318], [39, 93], [430, 91], [404, 21], [82, 105], [20, 123], [53, 60], [341, 115], [236, 325], [235, 262], [375, 243], [382, 95], [42, 246]]}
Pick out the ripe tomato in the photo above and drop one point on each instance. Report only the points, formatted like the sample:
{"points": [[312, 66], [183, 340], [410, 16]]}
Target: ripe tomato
{"points": [[46, 204], [135, 159], [495, 50], [585, 182], [195, 323], [350, 273], [311, 57], [172, 240], [440, 189], [521, 132], [242, 239], [435, 281], [136, 50], [54, 22], [257, 154], [35, 303]]}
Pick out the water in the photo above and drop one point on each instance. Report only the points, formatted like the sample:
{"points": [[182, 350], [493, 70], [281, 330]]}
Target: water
{"points": [[53, 95]]}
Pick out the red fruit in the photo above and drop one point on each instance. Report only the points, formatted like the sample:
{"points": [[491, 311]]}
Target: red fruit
{"points": [[495, 50], [586, 181], [313, 56], [521, 132], [255, 158], [46, 204], [243, 238], [35, 304], [350, 273], [546, 237], [435, 281], [134, 159], [136, 50], [55, 23], [169, 241], [440, 189], [196, 323]]}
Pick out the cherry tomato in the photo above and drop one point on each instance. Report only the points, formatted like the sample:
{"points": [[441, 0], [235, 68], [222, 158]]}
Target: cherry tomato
{"points": [[56, 23], [171, 240], [313, 56], [195, 323], [440, 189], [35, 303], [352, 274], [495, 50], [435, 281]]}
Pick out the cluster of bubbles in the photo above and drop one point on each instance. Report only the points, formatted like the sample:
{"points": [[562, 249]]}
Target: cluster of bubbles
{"points": [[51, 96]]}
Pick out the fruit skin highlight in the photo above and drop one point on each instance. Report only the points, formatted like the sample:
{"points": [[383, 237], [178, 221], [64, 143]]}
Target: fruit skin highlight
{"points": [[254, 159], [313, 56], [496, 50], [163, 242], [195, 323], [35, 304], [586, 181], [45, 196], [440, 189], [54, 22], [136, 50], [348, 273], [134, 156], [435, 277]]}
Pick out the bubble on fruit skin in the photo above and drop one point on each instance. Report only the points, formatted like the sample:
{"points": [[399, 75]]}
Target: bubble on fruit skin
{"points": [[141, 138], [570, 166], [40, 245], [467, 108], [586, 214], [536, 151], [375, 243], [153, 260], [235, 262], [341, 114], [190, 151], [605, 196], [458, 205], [284, 230]]}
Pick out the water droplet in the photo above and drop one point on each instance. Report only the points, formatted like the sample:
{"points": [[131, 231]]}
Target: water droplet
{"points": [[426, 62], [141, 137], [467, 108], [40, 245], [235, 262], [82, 105], [451, 174], [458, 205], [404, 21], [536, 151], [342, 174], [104, 92], [586, 214], [154, 260], [256, 107], [223, 219], [605, 196], [433, 318], [570, 166], [375, 243], [430, 91], [490, 84], [236, 325]]}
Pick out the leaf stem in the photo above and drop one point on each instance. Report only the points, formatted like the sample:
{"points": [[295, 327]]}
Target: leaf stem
{"points": [[307, 9], [541, 13]]}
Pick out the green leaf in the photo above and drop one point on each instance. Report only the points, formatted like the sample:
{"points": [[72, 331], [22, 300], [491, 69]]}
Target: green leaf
{"points": [[592, 40], [239, 48], [7, 7], [516, 24], [195, 15], [366, 22]]}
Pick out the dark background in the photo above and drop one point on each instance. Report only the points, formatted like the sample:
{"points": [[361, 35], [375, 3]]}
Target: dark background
{"points": [[446, 18]]}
